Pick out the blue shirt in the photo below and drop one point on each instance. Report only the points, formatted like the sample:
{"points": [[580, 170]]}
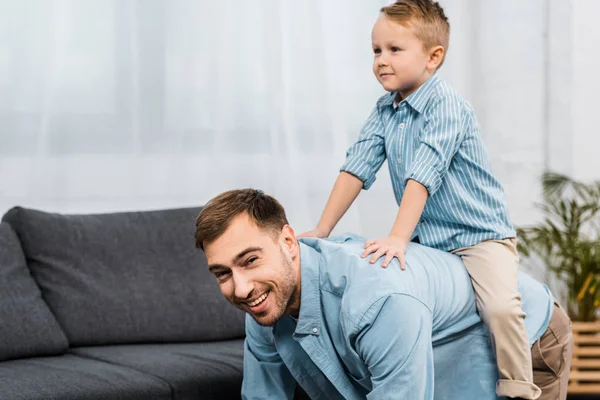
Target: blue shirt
{"points": [[368, 332], [433, 138]]}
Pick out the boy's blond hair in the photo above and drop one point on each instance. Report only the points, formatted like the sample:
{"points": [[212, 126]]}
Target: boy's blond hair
{"points": [[427, 19]]}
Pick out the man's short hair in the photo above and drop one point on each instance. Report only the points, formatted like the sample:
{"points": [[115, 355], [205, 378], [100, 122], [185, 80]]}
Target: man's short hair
{"points": [[217, 214], [426, 17]]}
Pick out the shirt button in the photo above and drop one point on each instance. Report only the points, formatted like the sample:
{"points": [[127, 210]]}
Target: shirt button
{"points": [[401, 126], [315, 330]]}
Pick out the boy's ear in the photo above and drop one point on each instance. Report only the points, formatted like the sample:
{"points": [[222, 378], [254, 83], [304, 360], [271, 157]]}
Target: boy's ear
{"points": [[436, 55]]}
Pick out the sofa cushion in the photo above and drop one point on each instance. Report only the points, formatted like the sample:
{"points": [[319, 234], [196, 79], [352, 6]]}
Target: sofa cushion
{"points": [[69, 377], [132, 277], [27, 327], [193, 370]]}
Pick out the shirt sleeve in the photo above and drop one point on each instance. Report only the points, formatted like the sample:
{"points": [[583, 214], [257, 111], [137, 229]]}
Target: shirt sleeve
{"points": [[438, 143], [265, 374], [395, 343], [364, 158]]}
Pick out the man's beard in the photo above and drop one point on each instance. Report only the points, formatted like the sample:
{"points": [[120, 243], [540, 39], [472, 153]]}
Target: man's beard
{"points": [[287, 295]]}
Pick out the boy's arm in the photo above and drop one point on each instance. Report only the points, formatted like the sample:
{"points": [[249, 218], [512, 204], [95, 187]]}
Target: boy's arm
{"points": [[395, 343], [409, 213], [265, 374], [365, 157], [363, 160], [438, 143], [344, 192]]}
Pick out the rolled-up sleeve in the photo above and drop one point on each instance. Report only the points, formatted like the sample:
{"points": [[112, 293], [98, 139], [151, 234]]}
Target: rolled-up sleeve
{"points": [[438, 143], [395, 342], [364, 158]]}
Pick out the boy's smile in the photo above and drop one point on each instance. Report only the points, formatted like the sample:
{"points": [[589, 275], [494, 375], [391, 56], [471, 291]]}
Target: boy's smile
{"points": [[401, 63]]}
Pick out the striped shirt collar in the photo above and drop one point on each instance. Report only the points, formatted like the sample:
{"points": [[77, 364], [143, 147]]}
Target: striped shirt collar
{"points": [[417, 99]]}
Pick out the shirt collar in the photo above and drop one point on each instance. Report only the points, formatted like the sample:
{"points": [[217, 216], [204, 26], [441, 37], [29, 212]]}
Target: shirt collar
{"points": [[309, 319], [417, 99]]}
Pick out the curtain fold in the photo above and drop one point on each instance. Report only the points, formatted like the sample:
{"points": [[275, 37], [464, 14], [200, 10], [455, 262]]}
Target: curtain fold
{"points": [[138, 104]]}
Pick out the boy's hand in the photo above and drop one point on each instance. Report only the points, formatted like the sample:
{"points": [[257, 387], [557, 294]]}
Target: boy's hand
{"points": [[314, 233], [391, 246]]}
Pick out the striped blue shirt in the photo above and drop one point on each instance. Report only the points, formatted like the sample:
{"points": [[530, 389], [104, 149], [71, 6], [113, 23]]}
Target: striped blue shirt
{"points": [[433, 137]]}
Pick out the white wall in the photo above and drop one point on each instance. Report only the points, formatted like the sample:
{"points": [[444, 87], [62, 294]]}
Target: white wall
{"points": [[585, 89]]}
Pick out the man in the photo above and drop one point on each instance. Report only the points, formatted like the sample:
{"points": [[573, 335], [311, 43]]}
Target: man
{"points": [[319, 314]]}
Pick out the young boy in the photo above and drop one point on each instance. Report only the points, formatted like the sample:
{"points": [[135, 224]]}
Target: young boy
{"points": [[448, 198]]}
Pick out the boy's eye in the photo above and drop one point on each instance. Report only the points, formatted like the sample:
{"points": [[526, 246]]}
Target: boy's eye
{"points": [[376, 51], [395, 49]]}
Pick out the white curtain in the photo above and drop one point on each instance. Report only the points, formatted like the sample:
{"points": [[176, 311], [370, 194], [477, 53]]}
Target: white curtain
{"points": [[143, 104]]}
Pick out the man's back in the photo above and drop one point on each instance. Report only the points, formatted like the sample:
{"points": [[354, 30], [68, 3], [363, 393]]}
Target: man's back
{"points": [[442, 287], [435, 278], [368, 331]]}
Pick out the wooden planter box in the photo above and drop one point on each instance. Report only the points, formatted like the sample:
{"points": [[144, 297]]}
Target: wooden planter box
{"points": [[585, 366]]}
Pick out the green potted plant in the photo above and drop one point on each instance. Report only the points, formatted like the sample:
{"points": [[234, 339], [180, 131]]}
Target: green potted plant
{"points": [[567, 240]]}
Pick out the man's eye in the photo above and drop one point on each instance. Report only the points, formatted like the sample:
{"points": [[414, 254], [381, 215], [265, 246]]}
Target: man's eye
{"points": [[221, 274], [251, 260]]}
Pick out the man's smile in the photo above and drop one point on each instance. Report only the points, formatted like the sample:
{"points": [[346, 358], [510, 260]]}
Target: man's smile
{"points": [[258, 304]]}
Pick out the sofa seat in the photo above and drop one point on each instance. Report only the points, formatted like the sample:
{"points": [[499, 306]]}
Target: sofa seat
{"points": [[210, 370], [71, 377]]}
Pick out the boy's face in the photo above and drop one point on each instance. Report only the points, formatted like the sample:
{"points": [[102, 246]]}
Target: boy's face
{"points": [[401, 63]]}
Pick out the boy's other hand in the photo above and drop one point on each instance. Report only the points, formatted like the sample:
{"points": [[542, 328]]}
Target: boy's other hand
{"points": [[391, 247], [318, 233]]}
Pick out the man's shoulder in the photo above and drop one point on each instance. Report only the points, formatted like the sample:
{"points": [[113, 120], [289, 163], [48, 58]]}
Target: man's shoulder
{"points": [[345, 243], [338, 254], [358, 285]]}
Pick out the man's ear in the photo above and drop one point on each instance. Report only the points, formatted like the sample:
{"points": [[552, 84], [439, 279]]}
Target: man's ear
{"points": [[436, 55], [288, 238]]}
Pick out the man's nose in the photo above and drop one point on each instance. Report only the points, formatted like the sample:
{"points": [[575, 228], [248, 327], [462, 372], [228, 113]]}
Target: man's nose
{"points": [[242, 285]]}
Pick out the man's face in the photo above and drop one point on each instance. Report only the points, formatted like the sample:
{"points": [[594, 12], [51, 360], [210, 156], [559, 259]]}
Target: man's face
{"points": [[257, 271]]}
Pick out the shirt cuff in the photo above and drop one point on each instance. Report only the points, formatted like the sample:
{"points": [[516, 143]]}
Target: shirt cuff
{"points": [[359, 168], [426, 175]]}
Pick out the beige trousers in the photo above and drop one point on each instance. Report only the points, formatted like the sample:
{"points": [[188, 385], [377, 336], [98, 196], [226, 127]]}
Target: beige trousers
{"points": [[551, 356], [493, 267]]}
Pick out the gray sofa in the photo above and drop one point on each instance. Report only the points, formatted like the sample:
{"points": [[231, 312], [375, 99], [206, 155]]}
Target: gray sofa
{"points": [[112, 306]]}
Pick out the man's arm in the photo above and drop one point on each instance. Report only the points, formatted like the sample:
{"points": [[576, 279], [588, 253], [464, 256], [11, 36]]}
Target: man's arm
{"points": [[395, 342], [265, 374]]}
